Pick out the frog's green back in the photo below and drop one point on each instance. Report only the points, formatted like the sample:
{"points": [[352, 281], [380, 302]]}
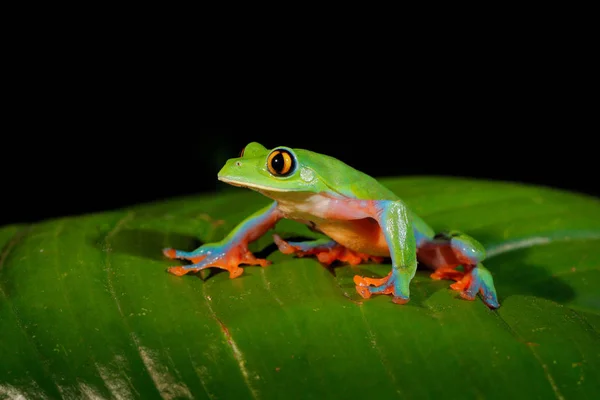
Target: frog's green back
{"points": [[348, 181], [344, 179]]}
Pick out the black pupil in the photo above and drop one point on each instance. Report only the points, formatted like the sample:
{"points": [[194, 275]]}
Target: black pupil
{"points": [[278, 163]]}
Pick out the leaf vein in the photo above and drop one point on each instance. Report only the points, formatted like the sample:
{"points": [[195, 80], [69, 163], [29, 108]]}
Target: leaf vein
{"points": [[237, 354], [17, 238], [377, 348], [108, 266], [200, 379], [536, 355], [531, 241], [268, 286], [118, 225]]}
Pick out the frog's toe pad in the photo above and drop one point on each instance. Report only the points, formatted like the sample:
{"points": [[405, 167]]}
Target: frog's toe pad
{"points": [[460, 285], [235, 272], [466, 296], [400, 300], [360, 281], [363, 291], [170, 253], [284, 246], [178, 271]]}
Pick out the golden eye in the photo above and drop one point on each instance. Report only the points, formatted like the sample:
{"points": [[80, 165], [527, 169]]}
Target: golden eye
{"points": [[280, 162], [242, 152]]}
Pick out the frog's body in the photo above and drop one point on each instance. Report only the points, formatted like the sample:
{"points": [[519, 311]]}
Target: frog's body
{"points": [[364, 220]]}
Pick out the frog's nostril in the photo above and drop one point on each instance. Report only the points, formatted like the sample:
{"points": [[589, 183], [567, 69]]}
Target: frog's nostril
{"points": [[238, 164]]}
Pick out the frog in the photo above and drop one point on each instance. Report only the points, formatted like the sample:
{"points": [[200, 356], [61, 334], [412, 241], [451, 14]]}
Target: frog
{"points": [[360, 221]]}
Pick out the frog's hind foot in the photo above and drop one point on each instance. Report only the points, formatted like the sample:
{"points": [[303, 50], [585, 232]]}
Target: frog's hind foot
{"points": [[448, 251], [447, 273], [326, 251], [477, 279]]}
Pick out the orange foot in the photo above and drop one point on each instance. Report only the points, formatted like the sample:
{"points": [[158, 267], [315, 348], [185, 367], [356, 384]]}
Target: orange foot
{"points": [[447, 273], [463, 280], [326, 252], [388, 285], [227, 258], [476, 280]]}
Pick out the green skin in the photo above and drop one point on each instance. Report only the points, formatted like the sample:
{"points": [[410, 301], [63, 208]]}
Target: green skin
{"points": [[341, 202]]}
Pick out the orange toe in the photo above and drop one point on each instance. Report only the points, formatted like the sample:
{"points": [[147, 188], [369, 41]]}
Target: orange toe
{"points": [[234, 273], [170, 253], [447, 273], [360, 281], [465, 296], [283, 246], [178, 271], [364, 292], [399, 300], [326, 258]]}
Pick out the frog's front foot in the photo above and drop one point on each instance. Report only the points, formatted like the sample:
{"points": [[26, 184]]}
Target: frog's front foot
{"points": [[478, 279], [225, 257], [393, 284]]}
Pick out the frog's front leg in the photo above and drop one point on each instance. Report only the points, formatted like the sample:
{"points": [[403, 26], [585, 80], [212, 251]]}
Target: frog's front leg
{"points": [[394, 221], [327, 251], [232, 251]]}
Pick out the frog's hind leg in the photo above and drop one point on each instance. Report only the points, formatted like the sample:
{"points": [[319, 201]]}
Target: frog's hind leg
{"points": [[327, 251], [449, 250]]}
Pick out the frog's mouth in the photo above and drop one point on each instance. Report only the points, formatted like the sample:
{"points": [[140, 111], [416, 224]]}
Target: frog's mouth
{"points": [[246, 185]]}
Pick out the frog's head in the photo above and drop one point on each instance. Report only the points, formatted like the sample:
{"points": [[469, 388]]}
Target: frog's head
{"points": [[278, 170]]}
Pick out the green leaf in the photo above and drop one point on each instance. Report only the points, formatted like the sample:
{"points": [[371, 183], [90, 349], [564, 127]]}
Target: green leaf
{"points": [[87, 309]]}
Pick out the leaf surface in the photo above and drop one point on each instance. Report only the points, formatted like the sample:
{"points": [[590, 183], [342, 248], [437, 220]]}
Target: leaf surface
{"points": [[87, 309]]}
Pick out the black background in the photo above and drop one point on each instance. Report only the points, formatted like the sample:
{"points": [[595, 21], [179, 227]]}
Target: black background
{"points": [[87, 131], [94, 172]]}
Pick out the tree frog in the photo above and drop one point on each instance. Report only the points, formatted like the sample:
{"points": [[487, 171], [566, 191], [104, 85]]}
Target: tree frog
{"points": [[362, 220]]}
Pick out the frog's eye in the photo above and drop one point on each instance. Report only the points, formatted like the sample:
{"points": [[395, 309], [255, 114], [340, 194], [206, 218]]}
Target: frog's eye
{"points": [[280, 162]]}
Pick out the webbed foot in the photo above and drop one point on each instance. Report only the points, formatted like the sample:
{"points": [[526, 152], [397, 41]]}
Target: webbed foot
{"points": [[392, 284], [478, 279], [211, 255]]}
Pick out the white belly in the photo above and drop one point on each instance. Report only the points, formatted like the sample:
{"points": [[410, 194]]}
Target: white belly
{"points": [[343, 220]]}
